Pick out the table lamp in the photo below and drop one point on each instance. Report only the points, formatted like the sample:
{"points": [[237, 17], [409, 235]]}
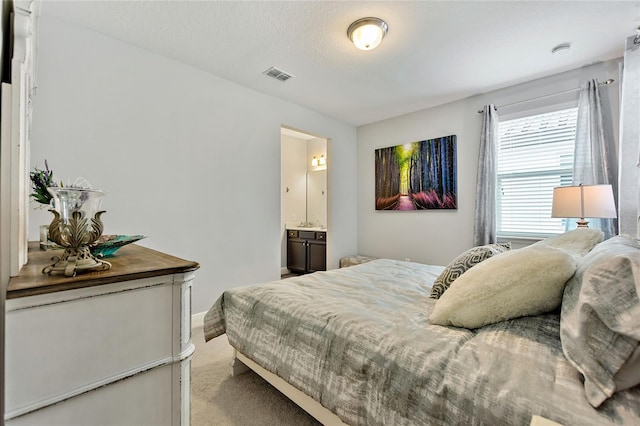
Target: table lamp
{"points": [[592, 201]]}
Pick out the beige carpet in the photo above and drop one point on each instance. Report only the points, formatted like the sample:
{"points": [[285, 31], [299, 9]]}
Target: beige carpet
{"points": [[219, 399]]}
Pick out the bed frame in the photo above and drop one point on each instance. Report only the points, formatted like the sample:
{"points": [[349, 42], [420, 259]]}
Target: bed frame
{"points": [[241, 364]]}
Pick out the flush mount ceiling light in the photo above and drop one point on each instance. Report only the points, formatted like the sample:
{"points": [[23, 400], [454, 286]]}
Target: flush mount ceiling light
{"points": [[561, 49], [367, 33]]}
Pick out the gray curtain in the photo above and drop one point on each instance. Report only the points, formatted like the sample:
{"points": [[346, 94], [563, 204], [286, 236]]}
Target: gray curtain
{"points": [[629, 196], [595, 159], [484, 225]]}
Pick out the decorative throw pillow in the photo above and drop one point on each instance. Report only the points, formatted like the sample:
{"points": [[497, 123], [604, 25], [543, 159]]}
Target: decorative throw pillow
{"points": [[527, 281], [464, 262], [600, 316]]}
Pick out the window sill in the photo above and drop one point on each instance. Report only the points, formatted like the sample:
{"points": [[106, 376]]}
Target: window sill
{"points": [[518, 241]]}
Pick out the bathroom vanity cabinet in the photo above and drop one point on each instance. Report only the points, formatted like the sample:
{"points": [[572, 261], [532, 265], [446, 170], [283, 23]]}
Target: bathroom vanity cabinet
{"points": [[306, 251]]}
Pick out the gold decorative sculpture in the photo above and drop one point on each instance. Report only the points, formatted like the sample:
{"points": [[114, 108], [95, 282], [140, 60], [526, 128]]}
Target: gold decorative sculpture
{"points": [[76, 225]]}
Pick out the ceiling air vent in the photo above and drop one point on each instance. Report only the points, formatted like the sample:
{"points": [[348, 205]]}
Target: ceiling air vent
{"points": [[277, 74]]}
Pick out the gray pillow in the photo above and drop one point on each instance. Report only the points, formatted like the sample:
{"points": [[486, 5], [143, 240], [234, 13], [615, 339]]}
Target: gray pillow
{"points": [[600, 316], [463, 263]]}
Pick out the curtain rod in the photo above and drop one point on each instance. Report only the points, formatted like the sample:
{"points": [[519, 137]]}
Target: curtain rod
{"points": [[606, 83]]}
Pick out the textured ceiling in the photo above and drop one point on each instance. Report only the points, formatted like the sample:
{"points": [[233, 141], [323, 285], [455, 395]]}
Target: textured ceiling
{"points": [[434, 52]]}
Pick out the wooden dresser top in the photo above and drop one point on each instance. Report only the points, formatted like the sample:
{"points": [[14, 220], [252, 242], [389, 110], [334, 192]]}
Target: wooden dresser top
{"points": [[131, 262]]}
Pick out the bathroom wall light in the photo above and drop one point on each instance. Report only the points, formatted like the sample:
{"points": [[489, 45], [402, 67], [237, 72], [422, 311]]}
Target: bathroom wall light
{"points": [[323, 161], [314, 162], [367, 33]]}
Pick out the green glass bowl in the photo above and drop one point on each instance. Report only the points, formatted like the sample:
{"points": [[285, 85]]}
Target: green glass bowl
{"points": [[107, 245]]}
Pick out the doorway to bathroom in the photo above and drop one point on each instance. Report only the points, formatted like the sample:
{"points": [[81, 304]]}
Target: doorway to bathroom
{"points": [[303, 197]]}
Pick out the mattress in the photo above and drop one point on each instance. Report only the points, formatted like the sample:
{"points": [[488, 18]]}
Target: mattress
{"points": [[358, 341]]}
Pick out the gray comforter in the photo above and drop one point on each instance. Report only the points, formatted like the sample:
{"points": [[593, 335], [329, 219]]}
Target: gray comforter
{"points": [[357, 341]]}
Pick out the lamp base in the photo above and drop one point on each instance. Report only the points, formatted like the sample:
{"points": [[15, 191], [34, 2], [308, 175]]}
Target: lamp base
{"points": [[75, 260], [582, 223]]}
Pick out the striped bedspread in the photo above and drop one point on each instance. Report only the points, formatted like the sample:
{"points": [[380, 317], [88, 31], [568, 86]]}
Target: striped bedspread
{"points": [[357, 340]]}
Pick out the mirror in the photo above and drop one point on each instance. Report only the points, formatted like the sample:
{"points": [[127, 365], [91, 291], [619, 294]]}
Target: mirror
{"points": [[317, 197], [304, 179]]}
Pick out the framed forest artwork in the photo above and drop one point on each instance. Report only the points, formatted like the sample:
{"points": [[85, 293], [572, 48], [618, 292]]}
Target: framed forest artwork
{"points": [[417, 175]]}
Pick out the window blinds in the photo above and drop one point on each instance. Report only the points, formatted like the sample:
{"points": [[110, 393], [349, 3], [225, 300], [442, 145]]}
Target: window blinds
{"points": [[535, 154]]}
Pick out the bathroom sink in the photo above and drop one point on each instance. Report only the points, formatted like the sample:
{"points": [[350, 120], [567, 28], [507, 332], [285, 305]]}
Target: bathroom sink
{"points": [[310, 225], [307, 227]]}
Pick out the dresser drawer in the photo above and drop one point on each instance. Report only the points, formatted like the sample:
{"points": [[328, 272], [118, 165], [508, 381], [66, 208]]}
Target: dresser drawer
{"points": [[292, 234], [322, 236]]}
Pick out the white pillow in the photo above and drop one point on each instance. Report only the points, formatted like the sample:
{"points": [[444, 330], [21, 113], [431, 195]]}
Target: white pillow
{"points": [[527, 281], [579, 241]]}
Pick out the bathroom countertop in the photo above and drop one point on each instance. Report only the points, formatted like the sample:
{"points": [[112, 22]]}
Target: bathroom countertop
{"points": [[304, 228]]}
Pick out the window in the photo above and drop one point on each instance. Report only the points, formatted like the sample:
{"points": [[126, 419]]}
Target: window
{"points": [[535, 154]]}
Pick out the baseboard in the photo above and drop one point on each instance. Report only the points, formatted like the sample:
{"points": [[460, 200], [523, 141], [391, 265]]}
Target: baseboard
{"points": [[197, 320], [284, 271]]}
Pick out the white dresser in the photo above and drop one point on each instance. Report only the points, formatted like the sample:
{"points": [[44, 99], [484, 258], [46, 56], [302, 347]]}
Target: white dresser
{"points": [[102, 348]]}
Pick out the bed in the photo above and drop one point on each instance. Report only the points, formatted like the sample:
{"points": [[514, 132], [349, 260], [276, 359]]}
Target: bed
{"points": [[358, 345]]}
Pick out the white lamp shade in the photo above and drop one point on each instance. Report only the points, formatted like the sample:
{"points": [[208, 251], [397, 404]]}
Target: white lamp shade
{"points": [[367, 33], [594, 201]]}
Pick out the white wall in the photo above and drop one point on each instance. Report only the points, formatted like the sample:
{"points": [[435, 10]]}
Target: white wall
{"points": [[436, 237], [188, 159]]}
